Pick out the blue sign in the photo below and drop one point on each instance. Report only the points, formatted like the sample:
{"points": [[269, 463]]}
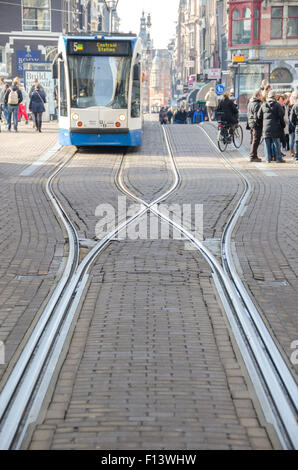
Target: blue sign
{"points": [[24, 56], [220, 89]]}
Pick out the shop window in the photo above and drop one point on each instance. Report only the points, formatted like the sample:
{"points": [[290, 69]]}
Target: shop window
{"points": [[281, 75], [36, 15], [292, 29], [241, 27], [276, 22]]}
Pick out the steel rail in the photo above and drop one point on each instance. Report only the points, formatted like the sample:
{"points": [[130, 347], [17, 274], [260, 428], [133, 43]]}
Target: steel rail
{"points": [[229, 266], [20, 388], [274, 401]]}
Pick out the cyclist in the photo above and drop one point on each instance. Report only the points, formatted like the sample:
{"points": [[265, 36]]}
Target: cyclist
{"points": [[229, 112]]}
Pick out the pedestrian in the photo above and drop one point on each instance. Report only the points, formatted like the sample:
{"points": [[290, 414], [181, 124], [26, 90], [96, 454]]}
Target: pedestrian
{"points": [[32, 89], [292, 102], [2, 93], [183, 115], [255, 124], [266, 91], [264, 84], [23, 106], [281, 99], [13, 97], [228, 111], [190, 114], [163, 116], [36, 106], [294, 122], [198, 116], [211, 103], [272, 115], [170, 115]]}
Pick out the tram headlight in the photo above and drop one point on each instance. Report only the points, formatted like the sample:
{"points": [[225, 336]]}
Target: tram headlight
{"points": [[122, 117], [75, 116]]}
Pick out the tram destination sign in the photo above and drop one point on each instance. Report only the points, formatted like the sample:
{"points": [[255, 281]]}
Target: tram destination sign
{"points": [[99, 47]]}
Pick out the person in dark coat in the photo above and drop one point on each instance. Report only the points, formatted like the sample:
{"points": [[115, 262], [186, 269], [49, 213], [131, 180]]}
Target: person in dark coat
{"points": [[255, 125], [229, 111], [294, 122], [36, 106], [13, 107], [169, 116], [272, 115]]}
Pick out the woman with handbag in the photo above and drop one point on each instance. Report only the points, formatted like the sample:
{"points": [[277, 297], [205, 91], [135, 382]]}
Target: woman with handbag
{"points": [[36, 106]]}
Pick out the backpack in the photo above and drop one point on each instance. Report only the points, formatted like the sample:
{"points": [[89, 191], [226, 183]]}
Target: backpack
{"points": [[13, 97]]}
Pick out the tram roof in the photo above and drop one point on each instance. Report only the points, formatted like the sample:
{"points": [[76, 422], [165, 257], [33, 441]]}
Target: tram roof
{"points": [[97, 35]]}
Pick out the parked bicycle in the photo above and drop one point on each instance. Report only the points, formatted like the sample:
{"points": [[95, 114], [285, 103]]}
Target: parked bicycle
{"points": [[228, 133]]}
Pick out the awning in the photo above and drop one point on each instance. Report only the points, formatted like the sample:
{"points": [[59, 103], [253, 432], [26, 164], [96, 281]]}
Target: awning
{"points": [[203, 91], [192, 96]]}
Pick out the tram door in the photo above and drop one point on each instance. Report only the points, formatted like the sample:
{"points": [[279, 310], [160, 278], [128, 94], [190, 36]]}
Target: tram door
{"points": [[62, 95]]}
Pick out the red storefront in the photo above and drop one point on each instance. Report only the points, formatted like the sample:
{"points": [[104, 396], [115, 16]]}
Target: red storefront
{"points": [[267, 34]]}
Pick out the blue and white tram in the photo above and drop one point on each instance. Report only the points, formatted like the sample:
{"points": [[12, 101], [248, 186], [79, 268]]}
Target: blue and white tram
{"points": [[100, 90]]}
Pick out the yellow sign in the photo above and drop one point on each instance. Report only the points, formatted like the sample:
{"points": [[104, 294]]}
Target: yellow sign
{"points": [[238, 58]]}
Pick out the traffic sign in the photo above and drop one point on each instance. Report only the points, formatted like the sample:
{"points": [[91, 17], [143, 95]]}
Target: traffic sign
{"points": [[220, 89]]}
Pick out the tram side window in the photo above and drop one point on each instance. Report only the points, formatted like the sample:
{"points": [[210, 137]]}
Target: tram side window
{"points": [[63, 97], [136, 91]]}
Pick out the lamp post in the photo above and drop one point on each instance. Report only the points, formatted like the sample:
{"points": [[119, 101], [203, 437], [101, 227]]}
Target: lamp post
{"points": [[111, 7]]}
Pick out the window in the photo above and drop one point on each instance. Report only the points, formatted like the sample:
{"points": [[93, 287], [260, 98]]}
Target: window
{"points": [[99, 81], [292, 29], [62, 90], [36, 15], [241, 27], [136, 90], [276, 22], [256, 23], [281, 75]]}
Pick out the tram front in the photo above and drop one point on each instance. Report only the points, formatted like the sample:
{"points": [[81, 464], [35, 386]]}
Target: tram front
{"points": [[99, 79]]}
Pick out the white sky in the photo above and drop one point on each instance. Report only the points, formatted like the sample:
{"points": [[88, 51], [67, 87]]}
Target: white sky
{"points": [[164, 13]]}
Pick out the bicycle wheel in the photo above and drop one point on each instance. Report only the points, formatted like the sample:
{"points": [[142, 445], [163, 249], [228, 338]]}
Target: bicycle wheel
{"points": [[238, 136], [222, 141]]}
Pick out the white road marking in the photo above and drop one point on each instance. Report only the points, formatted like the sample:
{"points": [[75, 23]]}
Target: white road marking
{"points": [[46, 156]]}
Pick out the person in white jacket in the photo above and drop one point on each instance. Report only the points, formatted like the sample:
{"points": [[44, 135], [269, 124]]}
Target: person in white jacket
{"points": [[211, 103]]}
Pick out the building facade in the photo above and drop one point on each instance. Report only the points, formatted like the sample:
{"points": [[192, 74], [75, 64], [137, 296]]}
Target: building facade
{"points": [[239, 42], [29, 29], [264, 35]]}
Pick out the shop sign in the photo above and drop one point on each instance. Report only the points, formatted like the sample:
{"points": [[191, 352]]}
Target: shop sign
{"points": [[24, 56], [238, 58]]}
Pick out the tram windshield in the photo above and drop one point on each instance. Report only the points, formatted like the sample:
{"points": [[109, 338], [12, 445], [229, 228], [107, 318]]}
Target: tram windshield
{"points": [[99, 81]]}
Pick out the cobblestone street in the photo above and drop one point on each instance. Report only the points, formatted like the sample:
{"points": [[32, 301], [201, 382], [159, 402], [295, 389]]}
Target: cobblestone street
{"points": [[151, 361]]}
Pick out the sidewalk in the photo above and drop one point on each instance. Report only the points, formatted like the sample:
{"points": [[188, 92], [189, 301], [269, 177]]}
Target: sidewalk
{"points": [[31, 239]]}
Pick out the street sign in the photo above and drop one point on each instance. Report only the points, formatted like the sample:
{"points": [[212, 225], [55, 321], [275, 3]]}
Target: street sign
{"points": [[220, 89]]}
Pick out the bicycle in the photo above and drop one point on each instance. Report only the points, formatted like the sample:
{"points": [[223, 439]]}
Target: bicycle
{"points": [[228, 133]]}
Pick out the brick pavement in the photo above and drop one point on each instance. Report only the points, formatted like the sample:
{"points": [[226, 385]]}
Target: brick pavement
{"points": [[151, 364], [266, 241], [32, 241], [89, 180]]}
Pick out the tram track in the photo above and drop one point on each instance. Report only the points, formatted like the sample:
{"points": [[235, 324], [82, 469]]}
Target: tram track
{"points": [[26, 387], [274, 384]]}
